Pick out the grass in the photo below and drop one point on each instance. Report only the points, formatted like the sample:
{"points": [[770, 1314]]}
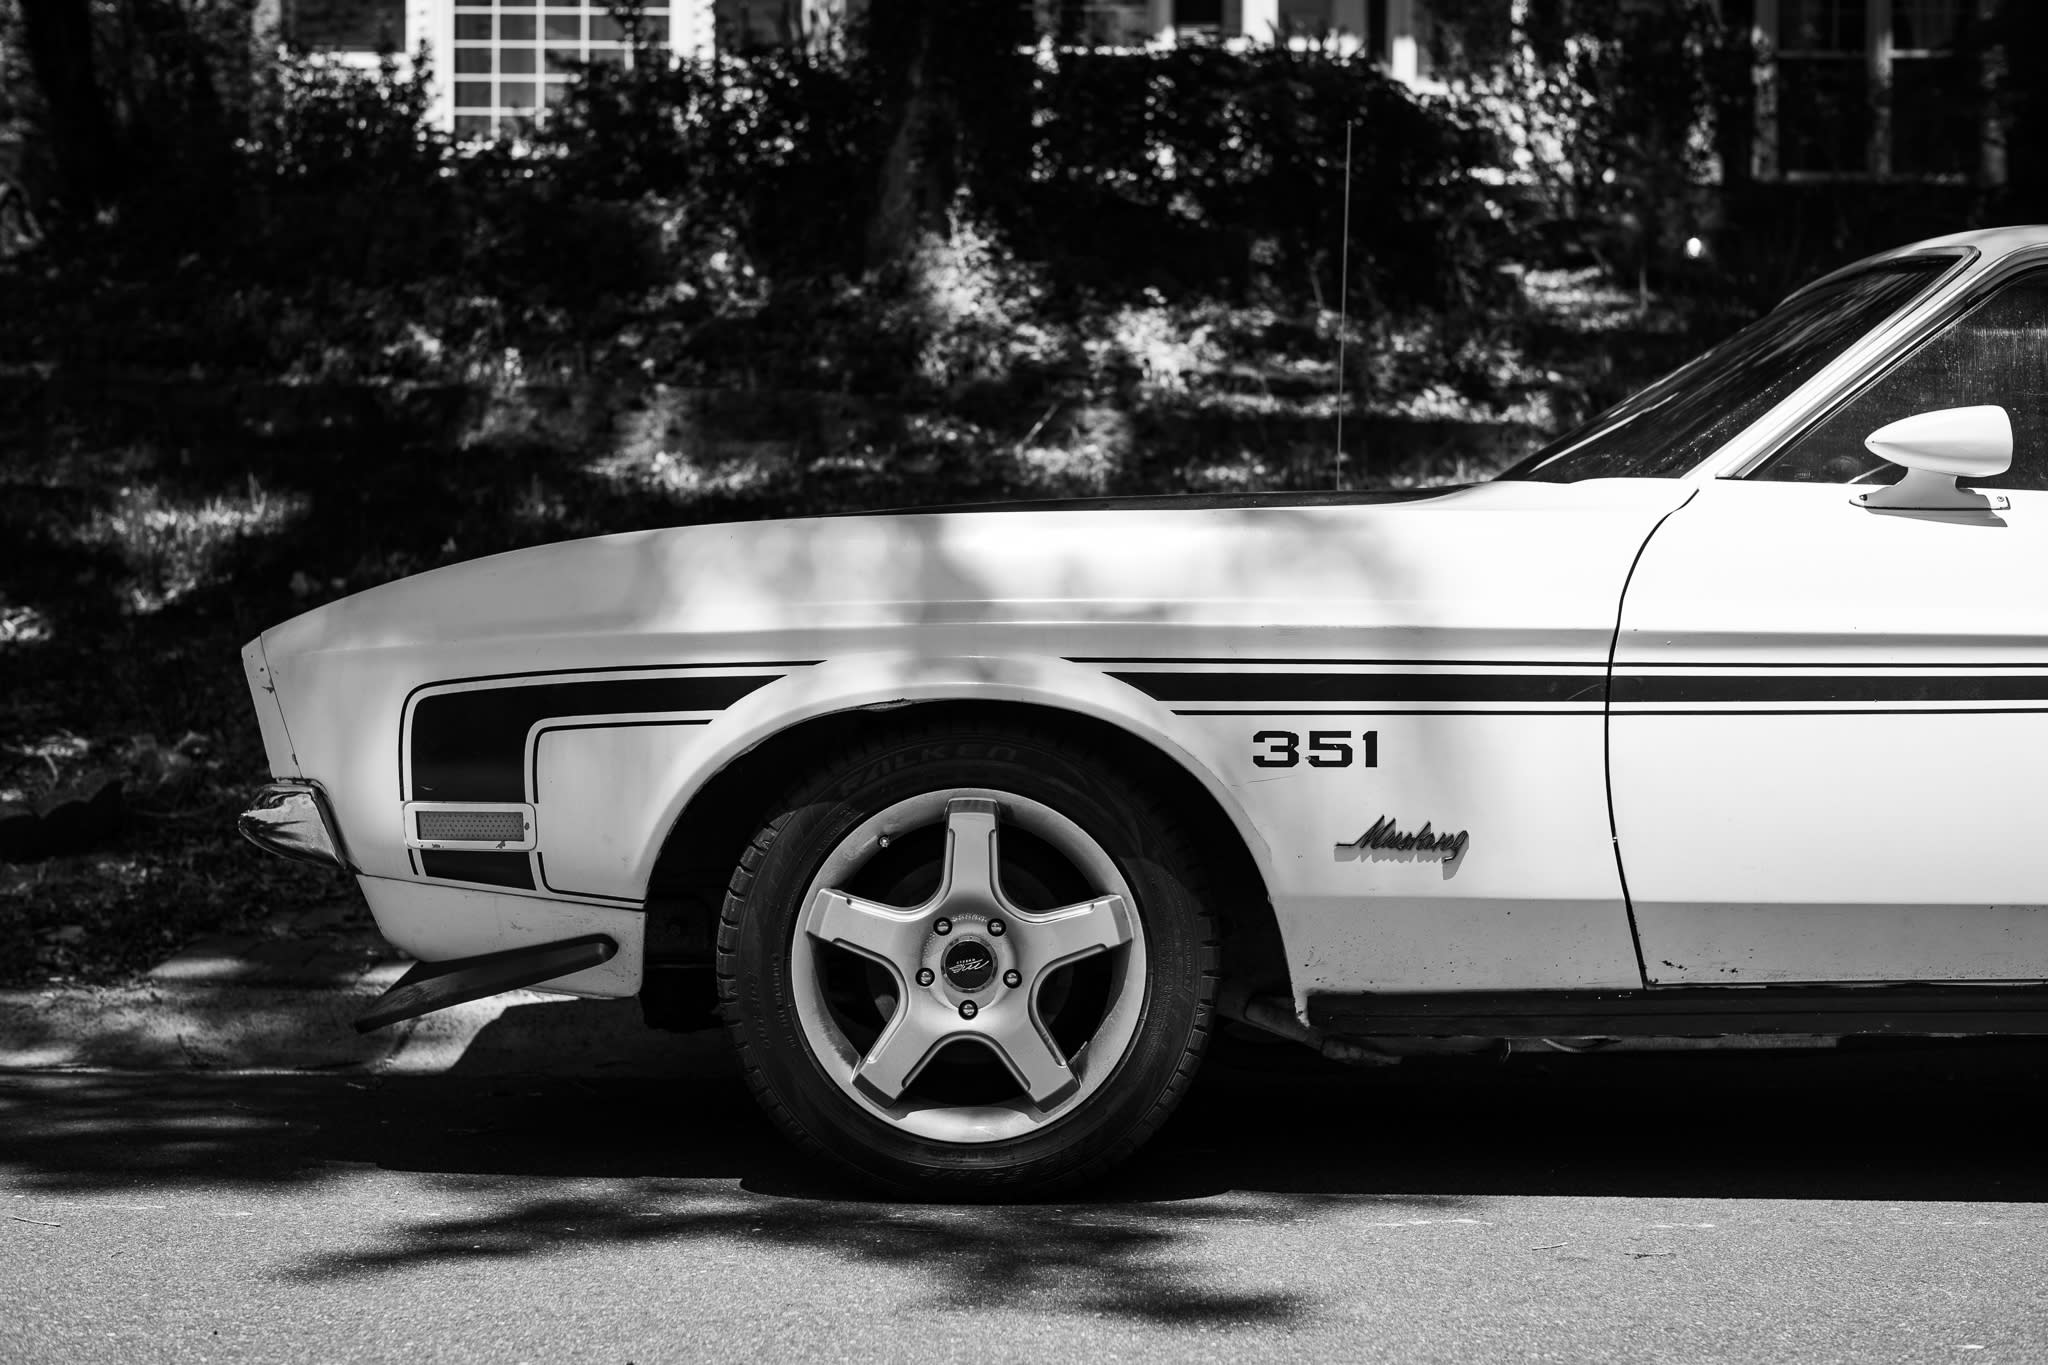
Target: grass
{"points": [[159, 515]]}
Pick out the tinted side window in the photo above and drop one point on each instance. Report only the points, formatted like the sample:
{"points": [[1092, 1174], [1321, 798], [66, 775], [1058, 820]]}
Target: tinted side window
{"points": [[1684, 417], [1996, 353]]}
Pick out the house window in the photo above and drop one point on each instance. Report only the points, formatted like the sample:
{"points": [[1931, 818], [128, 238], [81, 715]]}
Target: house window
{"points": [[1870, 87], [514, 58], [1824, 86], [1936, 101], [1424, 43]]}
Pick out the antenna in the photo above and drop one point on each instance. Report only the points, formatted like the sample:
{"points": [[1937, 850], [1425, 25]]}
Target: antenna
{"points": [[1343, 297]]}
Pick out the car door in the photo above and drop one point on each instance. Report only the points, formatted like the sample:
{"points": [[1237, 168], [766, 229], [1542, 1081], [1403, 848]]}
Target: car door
{"points": [[1829, 724]]}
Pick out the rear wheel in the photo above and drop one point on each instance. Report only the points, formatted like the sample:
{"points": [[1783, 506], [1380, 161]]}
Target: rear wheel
{"points": [[968, 959]]}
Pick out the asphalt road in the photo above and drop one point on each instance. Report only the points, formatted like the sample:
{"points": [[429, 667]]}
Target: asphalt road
{"points": [[1862, 1206]]}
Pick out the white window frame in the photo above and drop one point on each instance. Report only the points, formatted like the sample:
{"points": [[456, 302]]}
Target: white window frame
{"points": [[431, 23]]}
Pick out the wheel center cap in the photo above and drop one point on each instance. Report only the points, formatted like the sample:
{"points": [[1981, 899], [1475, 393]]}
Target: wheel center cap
{"points": [[969, 965]]}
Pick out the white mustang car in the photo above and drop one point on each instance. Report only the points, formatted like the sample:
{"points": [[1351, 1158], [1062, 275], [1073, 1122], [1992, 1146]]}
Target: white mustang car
{"points": [[1725, 715]]}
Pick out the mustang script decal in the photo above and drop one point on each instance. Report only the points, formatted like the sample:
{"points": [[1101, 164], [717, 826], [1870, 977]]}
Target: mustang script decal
{"points": [[1385, 835]]}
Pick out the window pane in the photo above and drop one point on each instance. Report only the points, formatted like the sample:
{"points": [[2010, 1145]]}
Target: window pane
{"points": [[1998, 353], [563, 60], [518, 94], [516, 27], [567, 27], [472, 26], [1926, 25], [1821, 26], [1937, 116], [1824, 116], [557, 91], [472, 94], [471, 60], [605, 29], [517, 60], [607, 56], [515, 4], [1452, 40], [656, 31], [472, 125]]}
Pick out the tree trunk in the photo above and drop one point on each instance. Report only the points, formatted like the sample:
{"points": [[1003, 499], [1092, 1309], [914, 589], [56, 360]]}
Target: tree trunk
{"points": [[920, 168], [60, 41]]}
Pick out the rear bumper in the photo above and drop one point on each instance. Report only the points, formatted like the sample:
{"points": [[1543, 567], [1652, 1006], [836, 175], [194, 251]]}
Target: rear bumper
{"points": [[293, 820]]}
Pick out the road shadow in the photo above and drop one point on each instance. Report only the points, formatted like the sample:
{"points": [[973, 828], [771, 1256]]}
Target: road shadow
{"points": [[545, 1165], [1937, 1120]]}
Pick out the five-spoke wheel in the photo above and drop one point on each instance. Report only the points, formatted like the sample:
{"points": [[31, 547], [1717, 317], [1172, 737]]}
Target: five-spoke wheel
{"points": [[980, 960]]}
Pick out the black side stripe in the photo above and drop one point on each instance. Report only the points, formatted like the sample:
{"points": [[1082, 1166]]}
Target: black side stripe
{"points": [[1822, 665], [1858, 689], [1189, 659], [491, 869], [1383, 711], [1702, 688], [1393, 687], [559, 672], [471, 746]]}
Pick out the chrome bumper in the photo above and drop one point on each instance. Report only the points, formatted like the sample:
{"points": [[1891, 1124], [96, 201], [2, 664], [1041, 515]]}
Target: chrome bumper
{"points": [[291, 819]]}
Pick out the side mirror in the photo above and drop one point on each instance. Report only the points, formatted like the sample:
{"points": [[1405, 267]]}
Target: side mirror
{"points": [[1937, 448]]}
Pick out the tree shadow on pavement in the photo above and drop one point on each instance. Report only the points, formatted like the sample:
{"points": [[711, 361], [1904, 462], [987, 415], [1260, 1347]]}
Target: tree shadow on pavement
{"points": [[508, 1167], [1934, 1121]]}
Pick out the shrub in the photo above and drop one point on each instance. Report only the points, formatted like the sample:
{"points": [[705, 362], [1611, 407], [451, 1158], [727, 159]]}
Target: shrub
{"points": [[778, 149], [345, 178], [1199, 168], [1192, 169], [1611, 118]]}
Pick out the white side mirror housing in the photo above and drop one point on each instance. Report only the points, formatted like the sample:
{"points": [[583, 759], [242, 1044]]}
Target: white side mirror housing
{"points": [[1937, 448]]}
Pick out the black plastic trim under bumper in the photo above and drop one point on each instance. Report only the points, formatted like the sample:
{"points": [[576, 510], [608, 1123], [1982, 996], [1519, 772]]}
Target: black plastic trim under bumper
{"points": [[1688, 1012], [431, 986]]}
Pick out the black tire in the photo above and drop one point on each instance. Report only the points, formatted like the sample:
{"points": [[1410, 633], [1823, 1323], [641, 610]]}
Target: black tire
{"points": [[776, 982]]}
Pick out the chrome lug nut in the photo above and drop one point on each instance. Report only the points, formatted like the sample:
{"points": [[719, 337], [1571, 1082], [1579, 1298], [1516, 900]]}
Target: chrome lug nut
{"points": [[924, 976], [1013, 978], [942, 926], [996, 928], [968, 1009]]}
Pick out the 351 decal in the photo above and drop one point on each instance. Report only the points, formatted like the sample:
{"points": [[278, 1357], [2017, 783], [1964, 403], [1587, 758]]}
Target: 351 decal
{"points": [[1320, 748]]}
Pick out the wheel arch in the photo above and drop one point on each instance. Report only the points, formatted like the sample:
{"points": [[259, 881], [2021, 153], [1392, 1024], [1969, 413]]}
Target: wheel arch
{"points": [[704, 842]]}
